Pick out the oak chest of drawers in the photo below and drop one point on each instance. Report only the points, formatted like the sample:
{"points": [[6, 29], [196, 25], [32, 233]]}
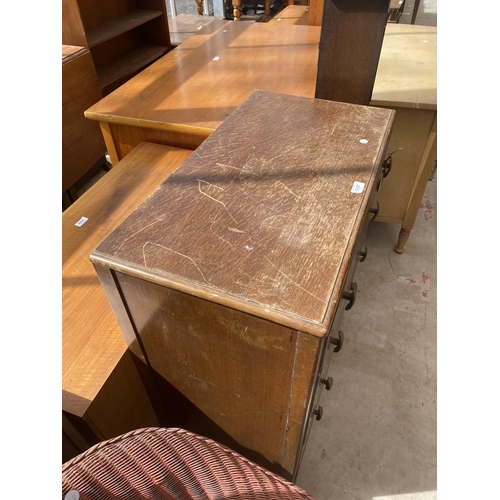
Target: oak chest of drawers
{"points": [[232, 277]]}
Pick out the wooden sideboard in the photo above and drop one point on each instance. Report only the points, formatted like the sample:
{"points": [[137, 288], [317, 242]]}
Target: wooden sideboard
{"points": [[103, 394], [233, 276]]}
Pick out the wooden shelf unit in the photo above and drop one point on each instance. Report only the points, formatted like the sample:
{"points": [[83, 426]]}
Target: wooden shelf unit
{"points": [[123, 36]]}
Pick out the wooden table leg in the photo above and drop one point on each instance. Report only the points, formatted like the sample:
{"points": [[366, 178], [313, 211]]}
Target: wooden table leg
{"points": [[267, 9], [237, 9], [424, 170], [199, 7]]}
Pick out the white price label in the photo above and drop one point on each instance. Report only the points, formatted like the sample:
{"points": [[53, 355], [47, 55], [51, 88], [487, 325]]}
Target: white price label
{"points": [[358, 187], [82, 221]]}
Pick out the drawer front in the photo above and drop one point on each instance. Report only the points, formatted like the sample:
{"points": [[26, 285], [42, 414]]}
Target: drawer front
{"points": [[333, 341], [331, 344]]}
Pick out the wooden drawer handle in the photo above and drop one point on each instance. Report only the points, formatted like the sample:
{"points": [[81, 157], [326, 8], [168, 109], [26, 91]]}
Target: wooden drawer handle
{"points": [[375, 211], [386, 169], [387, 165], [328, 382], [338, 342], [318, 412], [363, 254], [351, 295]]}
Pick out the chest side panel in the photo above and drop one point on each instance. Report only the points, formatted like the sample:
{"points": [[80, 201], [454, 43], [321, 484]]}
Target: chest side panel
{"points": [[236, 368]]}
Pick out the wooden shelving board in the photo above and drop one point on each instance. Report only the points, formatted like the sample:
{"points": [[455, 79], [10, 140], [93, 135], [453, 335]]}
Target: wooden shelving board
{"points": [[128, 64], [120, 25]]}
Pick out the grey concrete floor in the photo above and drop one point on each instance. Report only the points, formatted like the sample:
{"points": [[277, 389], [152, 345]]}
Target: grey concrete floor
{"points": [[377, 437]]}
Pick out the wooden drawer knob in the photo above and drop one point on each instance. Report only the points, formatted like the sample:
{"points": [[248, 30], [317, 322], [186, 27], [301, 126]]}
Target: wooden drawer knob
{"points": [[351, 295], [318, 412], [328, 382]]}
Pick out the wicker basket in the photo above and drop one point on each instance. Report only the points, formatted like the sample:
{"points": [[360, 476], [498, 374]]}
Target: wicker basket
{"points": [[170, 464]]}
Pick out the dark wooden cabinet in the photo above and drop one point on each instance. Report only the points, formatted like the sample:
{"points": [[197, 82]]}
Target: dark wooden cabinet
{"points": [[123, 36], [234, 275], [83, 147]]}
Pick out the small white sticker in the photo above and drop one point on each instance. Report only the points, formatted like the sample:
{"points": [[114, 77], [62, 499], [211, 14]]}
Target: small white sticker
{"points": [[224, 31], [279, 18], [425, 41], [82, 221], [357, 187], [216, 58], [363, 141], [199, 27], [72, 495]]}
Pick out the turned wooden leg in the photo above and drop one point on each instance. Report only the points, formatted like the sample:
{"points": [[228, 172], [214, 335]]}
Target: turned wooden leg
{"points": [[199, 7], [237, 9], [404, 234]]}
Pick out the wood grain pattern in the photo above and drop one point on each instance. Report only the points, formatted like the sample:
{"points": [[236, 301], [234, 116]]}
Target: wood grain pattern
{"points": [[223, 361], [352, 33], [315, 17], [274, 212], [92, 343]]}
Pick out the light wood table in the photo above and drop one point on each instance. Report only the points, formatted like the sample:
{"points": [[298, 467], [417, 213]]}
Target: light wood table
{"points": [[102, 391], [406, 82], [185, 26], [292, 14], [184, 96]]}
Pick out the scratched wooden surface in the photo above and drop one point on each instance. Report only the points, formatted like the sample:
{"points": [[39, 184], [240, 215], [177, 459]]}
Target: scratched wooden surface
{"points": [[92, 343], [265, 224]]}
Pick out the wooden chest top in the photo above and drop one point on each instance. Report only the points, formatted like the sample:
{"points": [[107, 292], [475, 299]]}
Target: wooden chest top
{"points": [[262, 217]]}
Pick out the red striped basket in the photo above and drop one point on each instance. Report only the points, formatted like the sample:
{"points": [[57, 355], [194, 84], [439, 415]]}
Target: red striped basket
{"points": [[170, 464]]}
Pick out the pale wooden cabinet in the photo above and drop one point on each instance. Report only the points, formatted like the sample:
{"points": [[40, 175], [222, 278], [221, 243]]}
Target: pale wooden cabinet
{"points": [[234, 275]]}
